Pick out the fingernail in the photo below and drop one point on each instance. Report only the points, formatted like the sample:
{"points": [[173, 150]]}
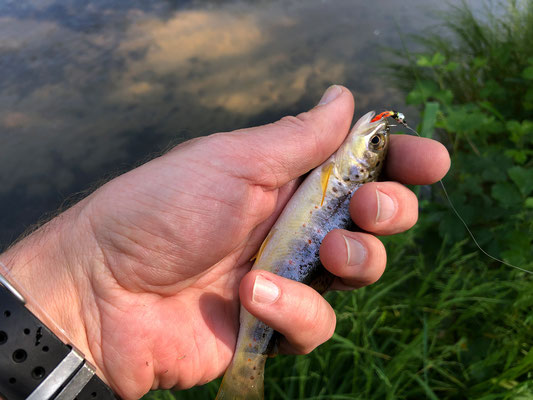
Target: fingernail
{"points": [[264, 291], [386, 207], [356, 252], [330, 94]]}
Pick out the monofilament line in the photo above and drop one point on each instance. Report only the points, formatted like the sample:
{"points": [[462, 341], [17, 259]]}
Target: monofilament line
{"points": [[472, 235], [466, 225]]}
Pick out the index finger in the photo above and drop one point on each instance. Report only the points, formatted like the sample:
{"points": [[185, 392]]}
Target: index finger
{"points": [[416, 160]]}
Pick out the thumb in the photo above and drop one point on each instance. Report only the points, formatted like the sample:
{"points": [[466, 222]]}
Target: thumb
{"points": [[283, 150]]}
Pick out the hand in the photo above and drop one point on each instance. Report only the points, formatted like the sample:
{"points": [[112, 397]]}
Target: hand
{"points": [[146, 274]]}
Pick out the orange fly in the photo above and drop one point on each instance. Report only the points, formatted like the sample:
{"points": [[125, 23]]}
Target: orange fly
{"points": [[397, 116]]}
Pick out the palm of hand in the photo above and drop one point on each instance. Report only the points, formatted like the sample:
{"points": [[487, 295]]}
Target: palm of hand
{"points": [[176, 249]]}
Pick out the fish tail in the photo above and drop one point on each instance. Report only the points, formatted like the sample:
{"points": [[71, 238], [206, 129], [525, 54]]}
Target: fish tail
{"points": [[244, 378]]}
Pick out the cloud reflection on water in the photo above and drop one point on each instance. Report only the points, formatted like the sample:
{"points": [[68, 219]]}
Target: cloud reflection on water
{"points": [[77, 103], [227, 60]]}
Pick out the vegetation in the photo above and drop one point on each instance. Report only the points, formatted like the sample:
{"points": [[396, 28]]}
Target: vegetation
{"points": [[445, 321]]}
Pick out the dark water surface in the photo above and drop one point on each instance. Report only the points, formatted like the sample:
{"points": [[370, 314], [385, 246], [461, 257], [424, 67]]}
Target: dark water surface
{"points": [[89, 89]]}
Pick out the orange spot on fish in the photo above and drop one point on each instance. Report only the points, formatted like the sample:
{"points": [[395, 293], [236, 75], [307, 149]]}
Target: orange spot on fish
{"points": [[309, 241], [249, 359], [303, 225], [316, 206]]}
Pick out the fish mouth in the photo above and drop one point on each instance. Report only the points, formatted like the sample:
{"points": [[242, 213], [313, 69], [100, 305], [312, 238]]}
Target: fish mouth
{"points": [[364, 126]]}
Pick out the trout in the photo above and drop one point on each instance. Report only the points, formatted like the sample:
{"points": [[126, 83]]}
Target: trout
{"points": [[291, 248]]}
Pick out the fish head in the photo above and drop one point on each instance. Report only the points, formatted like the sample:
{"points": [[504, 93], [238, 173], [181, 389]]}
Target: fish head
{"points": [[360, 158]]}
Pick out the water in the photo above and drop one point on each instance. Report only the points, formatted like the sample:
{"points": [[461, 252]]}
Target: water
{"points": [[91, 89]]}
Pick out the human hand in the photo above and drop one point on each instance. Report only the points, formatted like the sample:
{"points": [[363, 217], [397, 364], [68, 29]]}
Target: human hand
{"points": [[147, 273]]}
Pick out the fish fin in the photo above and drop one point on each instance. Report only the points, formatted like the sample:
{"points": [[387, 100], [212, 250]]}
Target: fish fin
{"points": [[365, 119], [273, 345], [244, 378], [324, 179], [322, 282], [257, 255]]}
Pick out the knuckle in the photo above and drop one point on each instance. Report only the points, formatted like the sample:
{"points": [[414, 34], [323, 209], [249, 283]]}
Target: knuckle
{"points": [[316, 326], [413, 217], [298, 122], [379, 263], [306, 349], [409, 210], [312, 317], [303, 126], [330, 328]]}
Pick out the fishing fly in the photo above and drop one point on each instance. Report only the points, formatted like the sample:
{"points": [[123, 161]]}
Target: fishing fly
{"points": [[400, 118]]}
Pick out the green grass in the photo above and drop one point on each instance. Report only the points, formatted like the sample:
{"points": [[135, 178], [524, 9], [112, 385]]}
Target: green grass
{"points": [[445, 327], [445, 321]]}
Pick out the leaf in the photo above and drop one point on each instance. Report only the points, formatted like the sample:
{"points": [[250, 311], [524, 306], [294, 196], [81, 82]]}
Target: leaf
{"points": [[422, 91], [451, 66], [430, 117], [528, 73], [487, 105], [520, 130], [506, 194], [528, 100], [529, 202], [492, 89], [480, 62], [494, 175], [465, 119], [451, 228], [415, 97], [517, 246], [523, 178], [444, 96], [437, 59], [423, 61], [519, 156]]}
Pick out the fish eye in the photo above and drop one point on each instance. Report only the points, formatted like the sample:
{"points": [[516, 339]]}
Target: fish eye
{"points": [[377, 142]]}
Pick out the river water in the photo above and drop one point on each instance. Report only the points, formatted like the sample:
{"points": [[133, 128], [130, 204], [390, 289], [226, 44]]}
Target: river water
{"points": [[89, 89]]}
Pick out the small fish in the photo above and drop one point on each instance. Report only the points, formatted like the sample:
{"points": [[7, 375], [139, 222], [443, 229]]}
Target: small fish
{"points": [[320, 205]]}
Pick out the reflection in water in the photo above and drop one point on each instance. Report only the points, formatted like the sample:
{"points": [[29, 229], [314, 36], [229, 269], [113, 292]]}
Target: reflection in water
{"points": [[88, 89]]}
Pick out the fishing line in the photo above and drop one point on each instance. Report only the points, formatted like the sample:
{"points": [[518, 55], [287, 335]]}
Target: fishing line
{"points": [[400, 118]]}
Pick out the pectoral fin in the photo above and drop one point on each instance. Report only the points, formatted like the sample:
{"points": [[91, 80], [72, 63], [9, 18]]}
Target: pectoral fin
{"points": [[263, 245], [324, 179]]}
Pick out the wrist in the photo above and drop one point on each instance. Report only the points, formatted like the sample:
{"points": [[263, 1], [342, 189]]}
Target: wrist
{"points": [[48, 267]]}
